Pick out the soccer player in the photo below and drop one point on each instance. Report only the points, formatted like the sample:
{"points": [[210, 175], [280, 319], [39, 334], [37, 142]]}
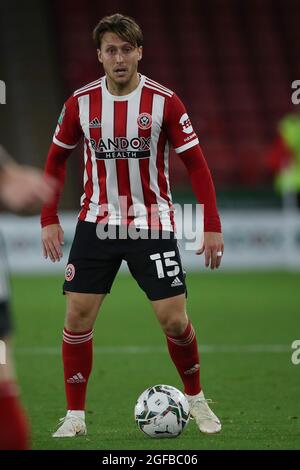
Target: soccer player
{"points": [[127, 122], [21, 189]]}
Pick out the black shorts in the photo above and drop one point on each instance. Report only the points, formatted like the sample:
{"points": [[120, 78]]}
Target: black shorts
{"points": [[93, 263], [5, 320], [5, 314]]}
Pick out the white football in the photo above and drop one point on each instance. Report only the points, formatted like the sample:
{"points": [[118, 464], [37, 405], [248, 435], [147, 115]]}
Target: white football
{"points": [[162, 411]]}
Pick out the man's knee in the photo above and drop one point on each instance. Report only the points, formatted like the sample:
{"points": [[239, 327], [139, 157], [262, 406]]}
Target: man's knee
{"points": [[171, 315], [175, 325], [82, 310], [77, 324], [173, 322]]}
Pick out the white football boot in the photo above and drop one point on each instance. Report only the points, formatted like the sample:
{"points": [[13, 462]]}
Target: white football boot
{"points": [[206, 420], [71, 425]]}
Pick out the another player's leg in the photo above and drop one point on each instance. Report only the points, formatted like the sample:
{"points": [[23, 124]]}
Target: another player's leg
{"points": [[14, 429], [77, 352], [183, 349]]}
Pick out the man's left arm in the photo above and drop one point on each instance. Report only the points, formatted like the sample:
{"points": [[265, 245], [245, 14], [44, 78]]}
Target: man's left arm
{"points": [[203, 187], [186, 144]]}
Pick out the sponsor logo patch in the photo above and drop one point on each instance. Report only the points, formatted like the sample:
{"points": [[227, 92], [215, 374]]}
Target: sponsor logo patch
{"points": [[186, 124], [60, 119], [121, 147]]}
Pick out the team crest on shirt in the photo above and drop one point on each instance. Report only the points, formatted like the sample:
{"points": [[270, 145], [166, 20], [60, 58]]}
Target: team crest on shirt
{"points": [[144, 121], [70, 272]]}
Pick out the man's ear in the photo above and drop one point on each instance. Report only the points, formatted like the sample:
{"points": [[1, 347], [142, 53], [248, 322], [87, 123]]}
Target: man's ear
{"points": [[140, 50], [99, 55]]}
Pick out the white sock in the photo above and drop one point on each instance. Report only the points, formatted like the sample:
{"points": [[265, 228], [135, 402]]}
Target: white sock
{"points": [[77, 414], [194, 397]]}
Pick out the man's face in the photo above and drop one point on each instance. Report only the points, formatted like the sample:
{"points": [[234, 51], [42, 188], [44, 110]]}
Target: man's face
{"points": [[119, 58]]}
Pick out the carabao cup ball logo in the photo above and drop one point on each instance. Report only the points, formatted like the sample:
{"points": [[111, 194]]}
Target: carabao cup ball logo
{"points": [[144, 121], [70, 272]]}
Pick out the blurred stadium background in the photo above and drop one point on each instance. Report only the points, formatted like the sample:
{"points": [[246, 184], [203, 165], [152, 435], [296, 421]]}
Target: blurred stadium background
{"points": [[232, 62]]}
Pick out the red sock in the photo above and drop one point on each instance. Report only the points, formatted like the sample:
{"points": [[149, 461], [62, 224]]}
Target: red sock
{"points": [[14, 429], [77, 352], [183, 350]]}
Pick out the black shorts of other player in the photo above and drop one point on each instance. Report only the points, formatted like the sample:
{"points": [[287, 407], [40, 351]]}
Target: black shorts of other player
{"points": [[5, 312], [154, 262], [5, 320]]}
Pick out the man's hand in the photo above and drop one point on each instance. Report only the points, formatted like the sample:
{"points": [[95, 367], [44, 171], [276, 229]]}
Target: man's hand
{"points": [[52, 240], [213, 246], [25, 189]]}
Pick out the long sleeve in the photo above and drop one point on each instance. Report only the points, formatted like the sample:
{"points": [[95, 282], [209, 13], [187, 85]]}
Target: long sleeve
{"points": [[203, 186], [55, 167], [66, 137], [185, 142]]}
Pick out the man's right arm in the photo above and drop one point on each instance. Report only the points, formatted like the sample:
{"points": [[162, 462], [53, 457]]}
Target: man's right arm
{"points": [[52, 233], [65, 139]]}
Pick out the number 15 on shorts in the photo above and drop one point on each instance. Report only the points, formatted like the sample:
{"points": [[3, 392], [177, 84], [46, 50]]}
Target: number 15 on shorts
{"points": [[166, 262]]}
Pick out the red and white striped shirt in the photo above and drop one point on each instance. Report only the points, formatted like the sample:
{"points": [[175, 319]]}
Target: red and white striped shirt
{"points": [[126, 155], [126, 149]]}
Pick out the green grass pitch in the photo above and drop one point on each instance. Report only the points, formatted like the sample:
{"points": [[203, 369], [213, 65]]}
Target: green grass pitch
{"points": [[245, 324]]}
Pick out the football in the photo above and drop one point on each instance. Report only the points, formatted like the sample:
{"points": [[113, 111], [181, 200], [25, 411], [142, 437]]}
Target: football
{"points": [[162, 411]]}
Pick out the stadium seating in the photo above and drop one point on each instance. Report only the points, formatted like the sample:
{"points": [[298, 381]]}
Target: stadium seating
{"points": [[231, 63]]}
